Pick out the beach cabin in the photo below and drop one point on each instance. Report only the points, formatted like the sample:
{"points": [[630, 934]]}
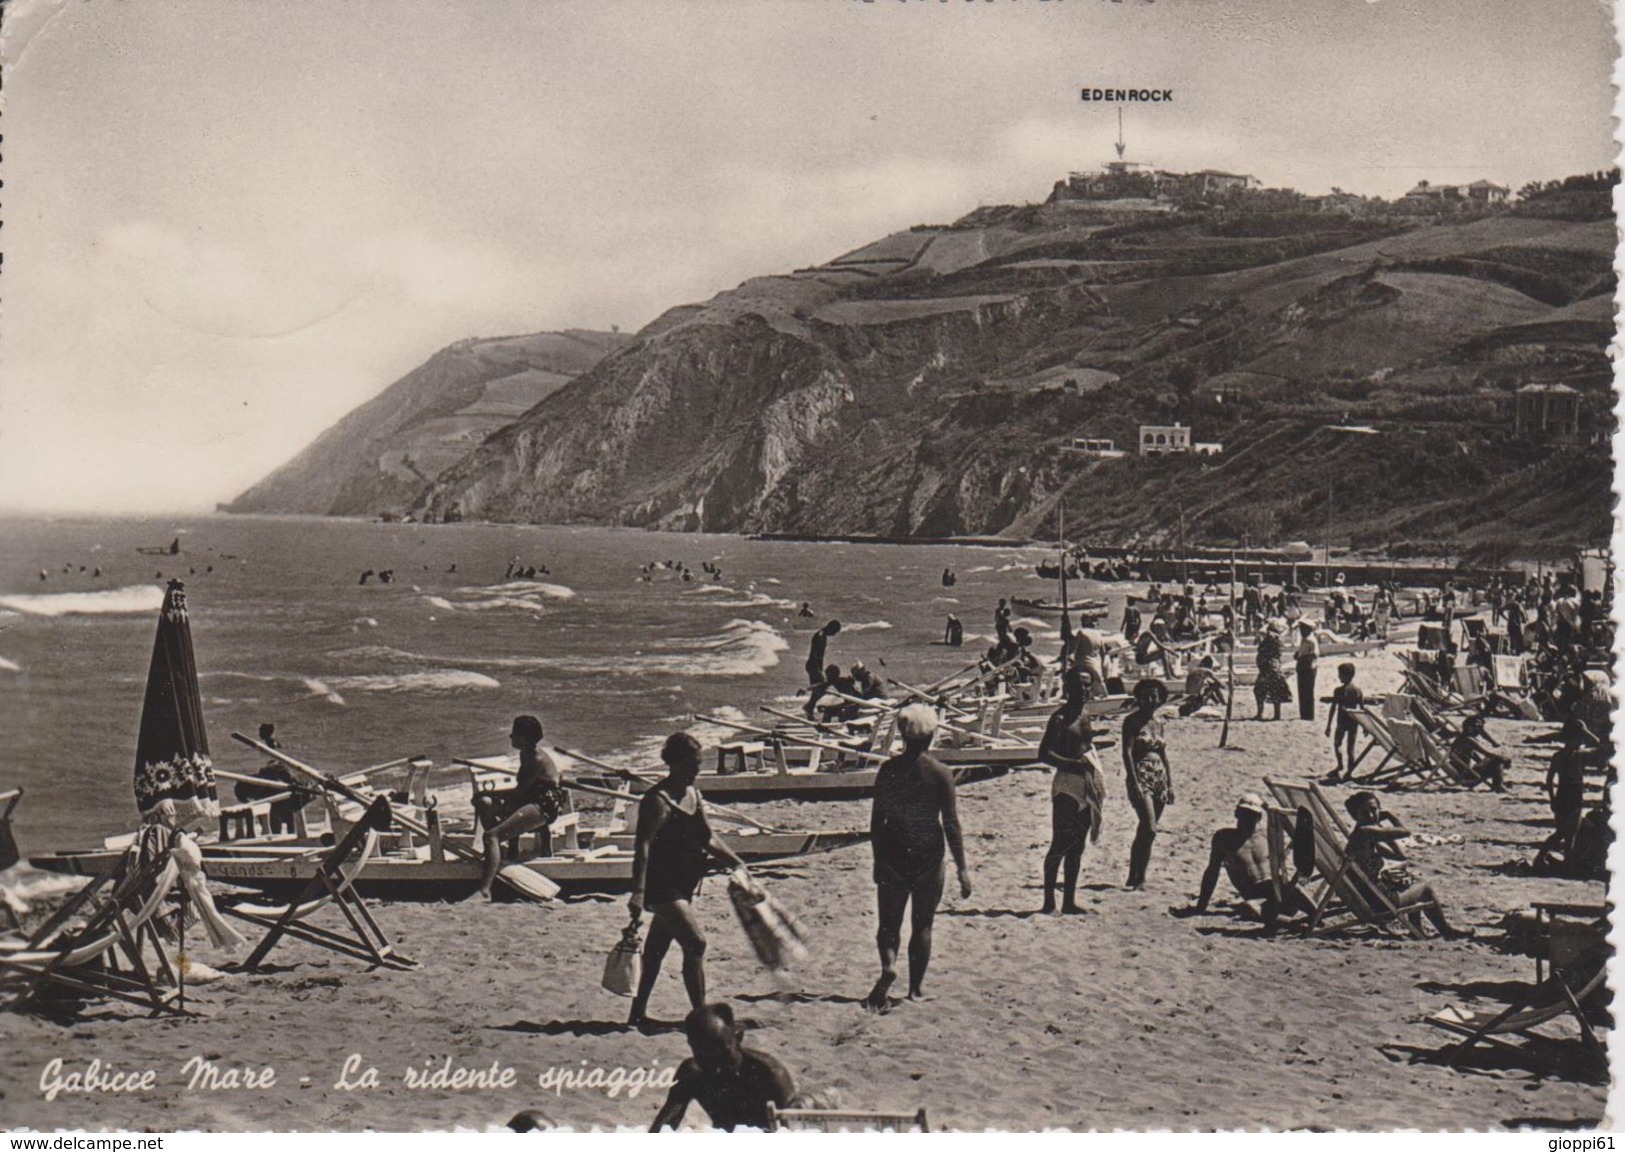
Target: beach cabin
{"points": [[1546, 412]]}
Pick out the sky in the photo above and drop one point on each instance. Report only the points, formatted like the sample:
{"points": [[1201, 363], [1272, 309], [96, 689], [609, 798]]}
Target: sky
{"points": [[227, 223]]}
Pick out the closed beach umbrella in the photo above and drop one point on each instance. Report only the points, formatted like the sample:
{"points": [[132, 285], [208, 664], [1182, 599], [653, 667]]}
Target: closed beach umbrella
{"points": [[174, 778]]}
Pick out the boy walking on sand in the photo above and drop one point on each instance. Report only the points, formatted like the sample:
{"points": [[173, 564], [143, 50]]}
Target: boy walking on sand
{"points": [[1340, 726]]}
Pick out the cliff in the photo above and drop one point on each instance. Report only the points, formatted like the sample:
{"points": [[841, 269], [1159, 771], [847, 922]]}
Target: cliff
{"points": [[379, 457], [929, 384]]}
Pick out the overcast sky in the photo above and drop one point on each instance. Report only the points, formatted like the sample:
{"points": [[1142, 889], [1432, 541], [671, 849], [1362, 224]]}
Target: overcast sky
{"points": [[227, 223]]}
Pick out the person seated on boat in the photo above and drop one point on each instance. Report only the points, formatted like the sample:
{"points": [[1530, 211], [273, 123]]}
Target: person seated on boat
{"points": [[1242, 853], [1374, 848], [284, 813], [734, 1084], [1028, 667], [865, 684], [1077, 793], [536, 800], [669, 859], [1202, 687], [953, 635]]}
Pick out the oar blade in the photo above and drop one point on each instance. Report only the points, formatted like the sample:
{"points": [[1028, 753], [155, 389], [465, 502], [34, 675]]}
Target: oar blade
{"points": [[530, 884]]}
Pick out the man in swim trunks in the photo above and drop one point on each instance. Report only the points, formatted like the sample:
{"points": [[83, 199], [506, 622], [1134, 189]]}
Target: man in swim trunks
{"points": [[1243, 853], [914, 811], [537, 799], [1077, 795], [734, 1084]]}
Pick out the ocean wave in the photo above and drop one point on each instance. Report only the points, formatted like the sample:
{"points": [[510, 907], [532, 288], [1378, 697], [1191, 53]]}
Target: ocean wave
{"points": [[9, 665], [945, 600], [741, 599], [644, 753], [514, 595], [114, 601], [869, 626], [429, 680], [525, 588], [981, 568]]}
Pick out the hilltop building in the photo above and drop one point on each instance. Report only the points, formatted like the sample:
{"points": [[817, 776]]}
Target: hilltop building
{"points": [[1478, 193], [1546, 412], [1164, 439]]}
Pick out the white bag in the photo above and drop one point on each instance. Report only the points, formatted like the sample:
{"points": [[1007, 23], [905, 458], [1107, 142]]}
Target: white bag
{"points": [[624, 964]]}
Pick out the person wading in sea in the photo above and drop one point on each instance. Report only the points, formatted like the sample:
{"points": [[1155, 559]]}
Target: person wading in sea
{"points": [[914, 812], [668, 861]]}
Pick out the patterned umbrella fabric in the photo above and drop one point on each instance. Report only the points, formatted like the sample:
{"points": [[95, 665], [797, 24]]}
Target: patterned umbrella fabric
{"points": [[174, 778]]}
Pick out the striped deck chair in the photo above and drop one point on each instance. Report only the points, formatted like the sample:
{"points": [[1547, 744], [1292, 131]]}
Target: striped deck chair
{"points": [[1347, 897], [105, 957], [333, 883], [1577, 955]]}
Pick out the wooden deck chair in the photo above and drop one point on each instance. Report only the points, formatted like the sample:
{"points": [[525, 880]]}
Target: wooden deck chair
{"points": [[1421, 757], [1348, 894], [844, 1119], [1375, 730], [333, 883], [105, 957], [1578, 960], [9, 854]]}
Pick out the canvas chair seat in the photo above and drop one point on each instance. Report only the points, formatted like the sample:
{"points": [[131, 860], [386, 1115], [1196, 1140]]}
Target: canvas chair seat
{"points": [[333, 883], [105, 957], [1347, 897]]}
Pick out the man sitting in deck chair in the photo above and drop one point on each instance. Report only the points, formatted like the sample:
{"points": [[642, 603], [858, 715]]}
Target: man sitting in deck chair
{"points": [[1243, 852], [1472, 758], [1374, 848], [734, 1084]]}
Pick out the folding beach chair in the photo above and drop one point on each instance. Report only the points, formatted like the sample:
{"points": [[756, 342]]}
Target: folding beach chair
{"points": [[105, 957], [1422, 757], [9, 854], [1577, 957], [333, 883], [844, 1120], [1348, 897]]}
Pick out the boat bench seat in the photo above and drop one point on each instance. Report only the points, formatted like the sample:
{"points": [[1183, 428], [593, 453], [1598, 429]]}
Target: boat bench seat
{"points": [[244, 821], [744, 755]]}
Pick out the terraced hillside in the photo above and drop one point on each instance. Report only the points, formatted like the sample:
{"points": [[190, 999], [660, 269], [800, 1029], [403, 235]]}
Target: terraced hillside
{"points": [[930, 383]]}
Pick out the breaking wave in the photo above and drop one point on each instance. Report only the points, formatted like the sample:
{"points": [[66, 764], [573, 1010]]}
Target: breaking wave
{"points": [[9, 665], [514, 595], [114, 601], [870, 626], [747, 599]]}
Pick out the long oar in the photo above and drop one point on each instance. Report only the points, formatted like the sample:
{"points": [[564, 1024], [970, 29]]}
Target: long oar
{"points": [[521, 879], [722, 810], [806, 740]]}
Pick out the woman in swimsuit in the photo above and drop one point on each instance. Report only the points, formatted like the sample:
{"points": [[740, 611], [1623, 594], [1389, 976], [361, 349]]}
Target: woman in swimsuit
{"points": [[914, 812], [668, 861], [1076, 794], [1145, 760]]}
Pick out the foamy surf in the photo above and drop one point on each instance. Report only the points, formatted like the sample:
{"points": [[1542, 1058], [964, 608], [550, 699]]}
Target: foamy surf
{"points": [[114, 601], [9, 665], [430, 680], [869, 626]]}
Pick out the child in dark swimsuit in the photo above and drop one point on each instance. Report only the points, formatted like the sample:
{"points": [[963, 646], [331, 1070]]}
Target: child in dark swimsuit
{"points": [[914, 813], [668, 860]]}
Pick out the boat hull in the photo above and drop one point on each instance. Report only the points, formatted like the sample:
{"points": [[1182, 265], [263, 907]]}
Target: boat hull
{"points": [[281, 870]]}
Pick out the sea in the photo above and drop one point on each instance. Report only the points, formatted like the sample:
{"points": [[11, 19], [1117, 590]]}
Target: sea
{"points": [[612, 658]]}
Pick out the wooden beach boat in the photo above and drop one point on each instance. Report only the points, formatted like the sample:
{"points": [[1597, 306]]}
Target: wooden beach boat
{"points": [[405, 870], [1045, 606]]}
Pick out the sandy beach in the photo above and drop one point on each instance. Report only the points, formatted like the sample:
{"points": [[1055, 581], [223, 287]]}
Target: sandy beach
{"points": [[1125, 1017]]}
